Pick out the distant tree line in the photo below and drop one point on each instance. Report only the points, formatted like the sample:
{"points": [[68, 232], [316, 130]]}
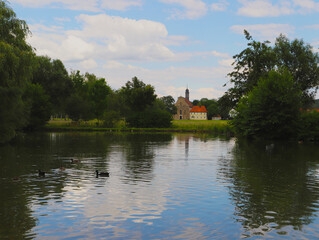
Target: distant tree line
{"points": [[214, 107], [34, 88]]}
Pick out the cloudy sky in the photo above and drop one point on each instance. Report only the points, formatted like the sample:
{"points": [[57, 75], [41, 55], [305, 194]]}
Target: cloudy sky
{"points": [[169, 44]]}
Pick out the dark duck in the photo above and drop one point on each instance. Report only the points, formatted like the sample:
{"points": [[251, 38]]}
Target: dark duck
{"points": [[101, 174]]}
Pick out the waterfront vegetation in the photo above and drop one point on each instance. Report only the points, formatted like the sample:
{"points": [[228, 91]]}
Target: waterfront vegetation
{"points": [[270, 86], [199, 126]]}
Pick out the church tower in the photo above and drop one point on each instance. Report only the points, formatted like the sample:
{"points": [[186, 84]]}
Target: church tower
{"points": [[187, 94]]}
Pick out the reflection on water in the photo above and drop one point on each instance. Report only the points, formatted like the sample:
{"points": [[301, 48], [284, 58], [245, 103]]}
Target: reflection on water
{"points": [[161, 186], [274, 188]]}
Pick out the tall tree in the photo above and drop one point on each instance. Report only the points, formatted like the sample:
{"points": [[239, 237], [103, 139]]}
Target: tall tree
{"points": [[169, 104], [16, 62], [54, 78], [302, 62], [138, 95], [271, 109], [98, 92], [258, 59], [143, 109], [250, 65]]}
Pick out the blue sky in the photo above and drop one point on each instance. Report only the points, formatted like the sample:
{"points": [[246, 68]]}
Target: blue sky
{"points": [[166, 43]]}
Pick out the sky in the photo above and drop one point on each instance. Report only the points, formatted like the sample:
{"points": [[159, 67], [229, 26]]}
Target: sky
{"points": [[170, 44]]}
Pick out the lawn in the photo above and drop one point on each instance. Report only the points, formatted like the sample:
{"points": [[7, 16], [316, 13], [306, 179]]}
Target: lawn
{"points": [[213, 126]]}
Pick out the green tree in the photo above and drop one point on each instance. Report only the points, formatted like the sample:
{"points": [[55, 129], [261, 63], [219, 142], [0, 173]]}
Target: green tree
{"points": [[302, 62], [55, 80], [250, 65], [137, 95], [271, 109], [142, 108], [196, 102], [258, 59], [98, 91], [213, 109], [169, 104], [226, 104], [78, 107], [16, 62], [40, 106]]}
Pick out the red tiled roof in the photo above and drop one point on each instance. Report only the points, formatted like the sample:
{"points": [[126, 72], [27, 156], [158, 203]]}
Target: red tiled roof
{"points": [[198, 109], [188, 102]]}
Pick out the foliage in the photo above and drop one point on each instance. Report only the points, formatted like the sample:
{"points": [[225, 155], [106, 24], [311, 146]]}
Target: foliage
{"points": [[150, 118], [309, 125], [196, 102], [91, 91], [13, 30], [137, 95], [271, 109], [110, 119], [213, 109], [54, 78], [213, 126], [78, 108], [258, 59], [169, 104], [225, 103], [300, 60], [315, 104], [98, 91], [250, 65], [40, 107], [16, 61]]}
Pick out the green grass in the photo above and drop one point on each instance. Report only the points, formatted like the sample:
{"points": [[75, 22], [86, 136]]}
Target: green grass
{"points": [[210, 126], [215, 126]]}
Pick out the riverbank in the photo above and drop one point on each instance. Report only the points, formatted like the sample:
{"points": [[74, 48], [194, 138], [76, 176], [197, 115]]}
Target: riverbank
{"points": [[211, 126]]}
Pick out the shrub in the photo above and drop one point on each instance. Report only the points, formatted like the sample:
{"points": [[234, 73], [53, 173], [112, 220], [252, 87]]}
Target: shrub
{"points": [[151, 118], [110, 119], [309, 125], [271, 109]]}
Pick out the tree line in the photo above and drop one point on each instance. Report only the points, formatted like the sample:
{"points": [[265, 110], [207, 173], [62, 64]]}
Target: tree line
{"points": [[33, 88]]}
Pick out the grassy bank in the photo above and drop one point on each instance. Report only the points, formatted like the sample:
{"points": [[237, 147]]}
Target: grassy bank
{"points": [[211, 126]]}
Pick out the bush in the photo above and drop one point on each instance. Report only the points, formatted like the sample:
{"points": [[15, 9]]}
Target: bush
{"points": [[110, 119], [40, 106], [310, 125], [271, 109], [78, 108], [151, 118]]}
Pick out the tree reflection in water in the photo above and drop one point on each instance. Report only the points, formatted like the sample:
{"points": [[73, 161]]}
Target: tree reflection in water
{"points": [[139, 151], [274, 186]]}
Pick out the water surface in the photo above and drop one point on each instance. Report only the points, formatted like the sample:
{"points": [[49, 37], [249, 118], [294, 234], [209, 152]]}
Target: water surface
{"points": [[161, 186]]}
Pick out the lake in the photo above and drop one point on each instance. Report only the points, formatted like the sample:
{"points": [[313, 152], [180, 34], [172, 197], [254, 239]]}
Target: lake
{"points": [[161, 186]]}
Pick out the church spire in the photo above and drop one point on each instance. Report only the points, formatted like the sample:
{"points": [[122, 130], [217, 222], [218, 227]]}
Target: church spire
{"points": [[187, 94]]}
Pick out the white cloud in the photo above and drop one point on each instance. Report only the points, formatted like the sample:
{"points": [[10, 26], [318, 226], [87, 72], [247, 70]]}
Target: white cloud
{"points": [[61, 20], [264, 8], [91, 5], [220, 54], [88, 64], [192, 8], [167, 81], [221, 5], [306, 6], [314, 26], [120, 4], [265, 31], [107, 38], [226, 62]]}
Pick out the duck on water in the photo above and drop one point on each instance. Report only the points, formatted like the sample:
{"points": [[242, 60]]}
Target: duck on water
{"points": [[102, 174]]}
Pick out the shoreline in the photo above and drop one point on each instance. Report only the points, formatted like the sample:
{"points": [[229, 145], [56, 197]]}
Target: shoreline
{"points": [[184, 126]]}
